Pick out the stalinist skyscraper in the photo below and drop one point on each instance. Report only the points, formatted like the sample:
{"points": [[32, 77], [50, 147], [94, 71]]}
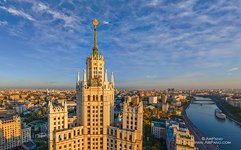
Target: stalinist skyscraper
{"points": [[93, 128]]}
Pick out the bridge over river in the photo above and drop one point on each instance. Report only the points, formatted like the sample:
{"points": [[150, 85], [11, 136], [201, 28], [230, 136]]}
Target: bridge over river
{"points": [[204, 125], [203, 101]]}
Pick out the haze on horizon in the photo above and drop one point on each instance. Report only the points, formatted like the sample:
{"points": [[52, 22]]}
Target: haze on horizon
{"points": [[148, 44]]}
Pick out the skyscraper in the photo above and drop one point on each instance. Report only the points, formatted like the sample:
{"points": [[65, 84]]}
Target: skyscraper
{"points": [[94, 127]]}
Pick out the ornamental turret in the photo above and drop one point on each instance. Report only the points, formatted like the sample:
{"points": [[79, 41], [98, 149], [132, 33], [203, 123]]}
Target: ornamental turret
{"points": [[78, 82]]}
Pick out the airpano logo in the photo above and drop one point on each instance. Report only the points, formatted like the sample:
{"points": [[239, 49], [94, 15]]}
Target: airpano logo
{"points": [[214, 140]]}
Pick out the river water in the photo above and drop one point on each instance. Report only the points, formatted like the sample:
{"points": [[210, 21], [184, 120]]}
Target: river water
{"points": [[226, 132]]}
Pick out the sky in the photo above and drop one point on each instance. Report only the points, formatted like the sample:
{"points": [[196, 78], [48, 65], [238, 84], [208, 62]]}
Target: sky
{"points": [[148, 44]]}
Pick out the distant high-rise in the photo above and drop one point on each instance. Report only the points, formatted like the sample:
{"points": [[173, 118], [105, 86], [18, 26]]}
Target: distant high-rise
{"points": [[94, 127], [164, 98]]}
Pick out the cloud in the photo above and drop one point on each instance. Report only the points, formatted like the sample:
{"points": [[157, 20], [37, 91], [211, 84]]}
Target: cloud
{"points": [[106, 22], [3, 23], [43, 8], [151, 76], [233, 69], [17, 13], [160, 38], [153, 3]]}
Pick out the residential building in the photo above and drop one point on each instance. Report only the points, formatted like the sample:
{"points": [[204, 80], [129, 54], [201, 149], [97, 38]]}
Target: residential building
{"points": [[158, 128], [11, 133], [153, 100], [179, 138], [94, 126]]}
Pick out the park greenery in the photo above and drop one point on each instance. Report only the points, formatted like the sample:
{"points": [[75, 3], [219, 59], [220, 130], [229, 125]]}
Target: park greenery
{"points": [[42, 143], [149, 140]]}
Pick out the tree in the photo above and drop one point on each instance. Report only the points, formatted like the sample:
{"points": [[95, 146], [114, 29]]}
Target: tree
{"points": [[44, 110], [10, 106]]}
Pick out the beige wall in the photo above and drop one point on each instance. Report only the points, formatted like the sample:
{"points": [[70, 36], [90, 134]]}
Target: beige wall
{"points": [[10, 132], [95, 115]]}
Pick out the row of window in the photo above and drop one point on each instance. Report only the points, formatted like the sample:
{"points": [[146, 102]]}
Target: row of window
{"points": [[59, 118], [131, 118], [111, 146], [114, 132], [69, 135], [58, 122], [95, 98], [95, 131]]}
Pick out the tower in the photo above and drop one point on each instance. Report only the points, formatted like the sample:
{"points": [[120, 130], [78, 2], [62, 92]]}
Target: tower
{"points": [[95, 99], [57, 120], [94, 128]]}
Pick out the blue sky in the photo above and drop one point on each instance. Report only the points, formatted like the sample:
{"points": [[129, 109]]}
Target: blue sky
{"points": [[147, 44]]}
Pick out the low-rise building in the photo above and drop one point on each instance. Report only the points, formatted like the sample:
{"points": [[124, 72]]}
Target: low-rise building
{"points": [[20, 108], [234, 102], [180, 97], [179, 138], [176, 103], [165, 107], [153, 100], [158, 128]]}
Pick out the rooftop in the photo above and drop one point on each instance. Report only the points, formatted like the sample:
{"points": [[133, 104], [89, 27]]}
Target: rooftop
{"points": [[29, 144], [159, 124], [185, 136]]}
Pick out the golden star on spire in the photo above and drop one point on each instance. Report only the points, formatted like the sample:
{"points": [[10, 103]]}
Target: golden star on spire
{"points": [[95, 22]]}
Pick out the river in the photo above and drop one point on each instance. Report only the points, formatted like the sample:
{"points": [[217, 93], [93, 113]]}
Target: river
{"points": [[226, 132]]}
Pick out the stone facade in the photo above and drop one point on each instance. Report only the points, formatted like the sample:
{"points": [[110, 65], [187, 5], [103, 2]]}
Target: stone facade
{"points": [[179, 138], [94, 126], [11, 133]]}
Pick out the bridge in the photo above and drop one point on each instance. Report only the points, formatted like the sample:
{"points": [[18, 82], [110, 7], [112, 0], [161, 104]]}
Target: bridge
{"points": [[203, 101]]}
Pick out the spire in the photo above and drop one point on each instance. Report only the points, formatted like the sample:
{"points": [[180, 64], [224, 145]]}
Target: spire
{"points": [[84, 76], [106, 76], [78, 78], [50, 104], [112, 78], [95, 48], [65, 106]]}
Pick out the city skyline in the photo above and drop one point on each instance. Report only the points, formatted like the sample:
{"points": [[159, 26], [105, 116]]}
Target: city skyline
{"points": [[155, 44]]}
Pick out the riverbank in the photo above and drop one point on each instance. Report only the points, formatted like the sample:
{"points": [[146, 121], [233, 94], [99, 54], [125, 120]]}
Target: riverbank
{"points": [[226, 109], [223, 133]]}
